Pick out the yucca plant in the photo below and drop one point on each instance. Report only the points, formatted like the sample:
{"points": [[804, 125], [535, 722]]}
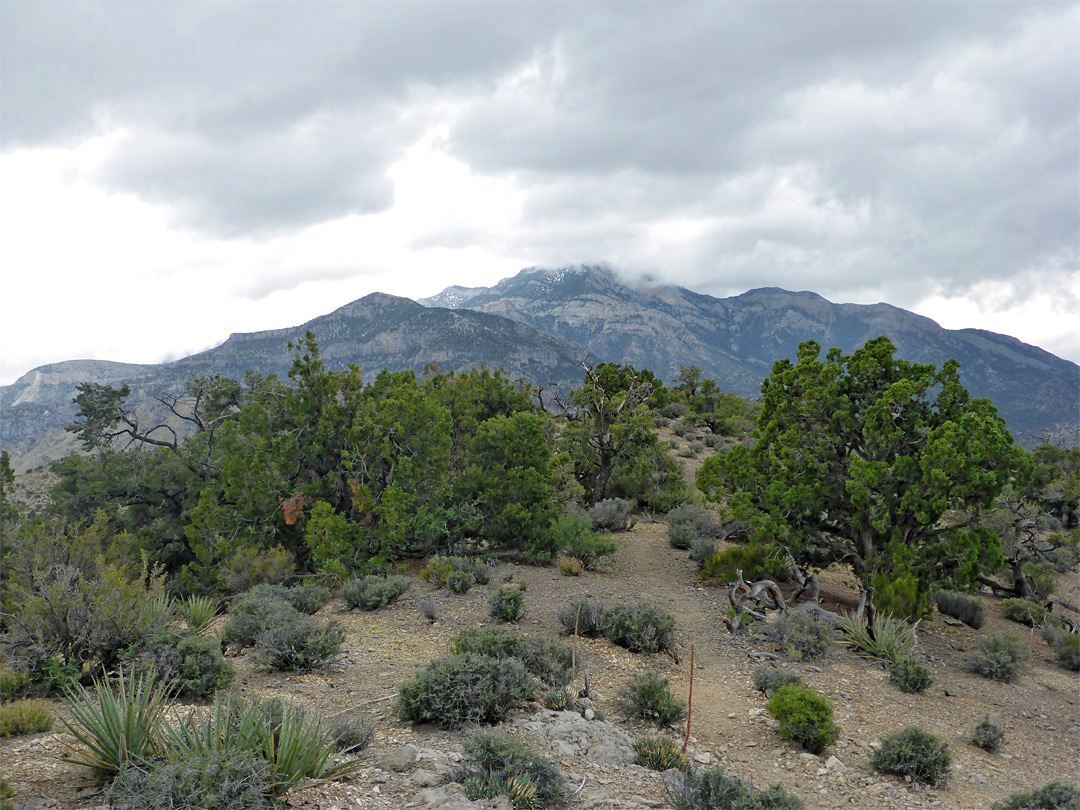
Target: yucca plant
{"points": [[118, 724], [199, 611], [293, 743], [892, 639]]}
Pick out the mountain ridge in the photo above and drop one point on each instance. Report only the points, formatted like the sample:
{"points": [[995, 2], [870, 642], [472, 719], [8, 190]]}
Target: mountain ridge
{"points": [[542, 323]]}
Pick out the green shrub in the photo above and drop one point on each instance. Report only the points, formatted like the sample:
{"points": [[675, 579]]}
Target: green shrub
{"points": [[689, 522], [755, 560], [456, 574], [909, 675], [968, 609], [612, 515], [912, 752], [299, 643], [293, 743], [508, 604], [714, 790], [198, 611], [1041, 577], [900, 594], [649, 697], [460, 582], [558, 700], [803, 716], [351, 735], [462, 689], [192, 664], [116, 728], [1024, 612], [801, 635], [987, 736], [253, 612], [659, 754], [6, 792], [372, 593], [892, 640], [1052, 796], [308, 598], [13, 682], [233, 779], [30, 716], [1000, 657], [251, 566], [70, 615], [585, 617], [702, 549], [497, 765], [571, 566], [769, 679], [549, 660], [574, 537], [1065, 644], [642, 628]]}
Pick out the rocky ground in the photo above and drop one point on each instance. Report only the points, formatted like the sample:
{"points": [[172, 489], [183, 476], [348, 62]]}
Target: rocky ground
{"points": [[407, 766]]}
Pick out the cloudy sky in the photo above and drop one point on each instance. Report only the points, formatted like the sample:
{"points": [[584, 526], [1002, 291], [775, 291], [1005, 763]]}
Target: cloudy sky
{"points": [[171, 172]]}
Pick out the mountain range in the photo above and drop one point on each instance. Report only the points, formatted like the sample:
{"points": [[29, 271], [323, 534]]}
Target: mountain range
{"points": [[542, 324]]}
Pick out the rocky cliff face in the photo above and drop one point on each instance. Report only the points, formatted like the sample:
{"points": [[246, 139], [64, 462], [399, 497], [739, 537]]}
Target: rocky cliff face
{"points": [[541, 324]]}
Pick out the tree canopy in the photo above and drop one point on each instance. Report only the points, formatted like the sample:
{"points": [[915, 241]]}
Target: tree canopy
{"points": [[872, 461]]}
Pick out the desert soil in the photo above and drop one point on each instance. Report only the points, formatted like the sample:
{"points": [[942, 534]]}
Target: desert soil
{"points": [[1039, 712]]}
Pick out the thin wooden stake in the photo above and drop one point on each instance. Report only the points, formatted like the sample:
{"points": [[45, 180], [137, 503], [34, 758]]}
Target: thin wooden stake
{"points": [[690, 701]]}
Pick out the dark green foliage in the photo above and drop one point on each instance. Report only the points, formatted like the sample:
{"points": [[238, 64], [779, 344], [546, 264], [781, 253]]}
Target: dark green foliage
{"points": [[13, 682], [649, 697], [299, 642], [1000, 657], [254, 611], [573, 536], [987, 736], [803, 716], [689, 522], [801, 635], [1052, 796], [860, 458], [497, 765], [558, 700], [910, 675], [372, 593], [612, 515], [549, 660], [508, 604], [462, 689], [250, 566], [912, 752], [768, 679], [509, 476], [307, 598], [714, 790], [659, 754], [1024, 612], [899, 592], [29, 716], [233, 779], [1065, 644], [641, 628], [6, 792], [755, 560], [585, 617], [192, 664], [968, 609]]}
